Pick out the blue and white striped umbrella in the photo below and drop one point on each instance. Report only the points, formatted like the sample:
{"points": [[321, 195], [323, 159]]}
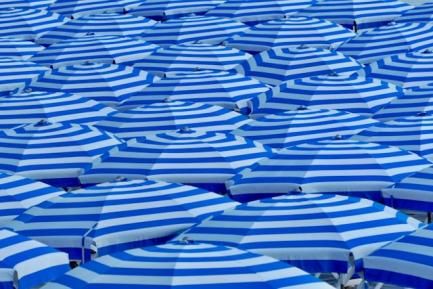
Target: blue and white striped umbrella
{"points": [[16, 74], [32, 106], [34, 4], [187, 265], [117, 216], [406, 262], [336, 166], [79, 8], [17, 48], [28, 24], [303, 125], [192, 29], [412, 69], [106, 83], [52, 152], [281, 64], [98, 24], [224, 88], [421, 13], [18, 194], [352, 93], [27, 264], [104, 49], [189, 57], [290, 32], [317, 233], [202, 159], [170, 116], [253, 11], [375, 44]]}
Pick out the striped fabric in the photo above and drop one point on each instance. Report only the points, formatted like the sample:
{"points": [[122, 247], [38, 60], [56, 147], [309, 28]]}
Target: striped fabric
{"points": [[170, 116], [79, 8], [15, 73], [224, 88], [352, 93], [192, 29], [106, 83], [194, 266], [407, 262], [190, 57], [32, 106], [18, 48], [27, 264], [421, 13], [303, 125], [281, 64], [375, 44], [53, 153], [18, 194], [28, 24], [117, 216], [35, 4], [99, 24], [337, 166], [317, 233], [290, 32], [105, 49], [202, 159]]}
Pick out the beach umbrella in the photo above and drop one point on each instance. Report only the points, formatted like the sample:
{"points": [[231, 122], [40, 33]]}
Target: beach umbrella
{"points": [[187, 265], [28, 264], [224, 88], [117, 216], [291, 32], [18, 194], [337, 166], [317, 233], [28, 24], [99, 24], [79, 8], [17, 48], [420, 13], [302, 125], [280, 64], [170, 116], [35, 4], [192, 29], [107, 83], [52, 152], [16, 74], [412, 69], [32, 106], [406, 262], [202, 159], [189, 57], [353, 93], [104, 49], [394, 38]]}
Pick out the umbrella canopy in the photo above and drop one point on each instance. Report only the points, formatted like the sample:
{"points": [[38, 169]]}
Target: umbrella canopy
{"points": [[117, 216], [79, 8], [15, 73], [184, 265], [35, 4], [28, 264], [353, 93], [303, 125], [406, 262], [421, 13], [224, 88], [192, 29], [317, 233], [189, 57], [32, 106], [337, 166], [18, 194], [99, 24], [375, 44], [289, 32], [17, 48], [202, 159], [28, 24], [170, 116], [105, 49], [52, 152], [106, 83], [281, 64]]}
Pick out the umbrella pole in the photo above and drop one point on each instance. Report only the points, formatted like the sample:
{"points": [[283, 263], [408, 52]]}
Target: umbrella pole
{"points": [[355, 27]]}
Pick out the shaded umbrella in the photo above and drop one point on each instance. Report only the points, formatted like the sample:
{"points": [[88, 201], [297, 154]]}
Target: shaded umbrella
{"points": [[18, 48], [281, 64], [35, 4], [420, 13], [15, 73], [117, 216], [79, 8]]}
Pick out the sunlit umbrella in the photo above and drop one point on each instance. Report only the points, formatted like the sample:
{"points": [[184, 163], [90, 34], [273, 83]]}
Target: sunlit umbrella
{"points": [[16, 74], [35, 4], [18, 48], [420, 13], [79, 8]]}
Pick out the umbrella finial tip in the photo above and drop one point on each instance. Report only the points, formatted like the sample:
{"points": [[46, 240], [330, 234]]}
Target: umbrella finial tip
{"points": [[28, 90], [185, 129], [90, 33], [302, 107], [42, 122], [338, 137], [185, 240], [422, 113], [120, 179], [428, 51]]}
